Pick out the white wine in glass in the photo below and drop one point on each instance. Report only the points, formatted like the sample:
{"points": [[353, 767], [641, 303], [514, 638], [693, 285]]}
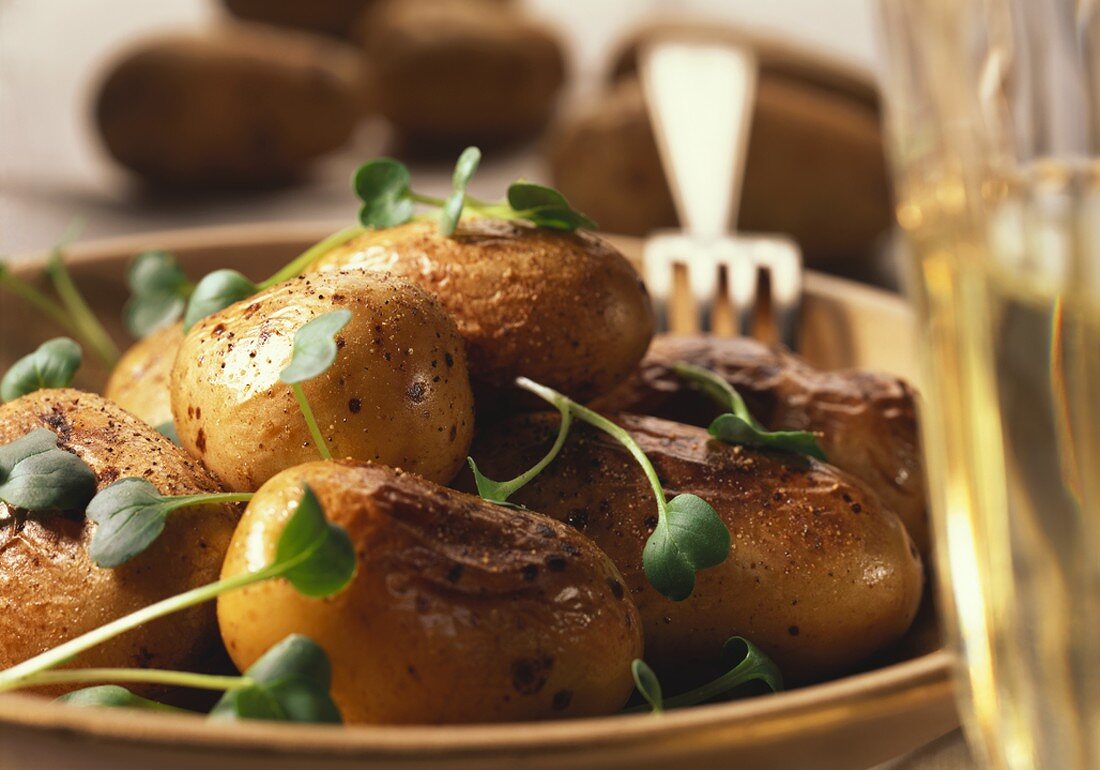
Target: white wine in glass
{"points": [[993, 112]]}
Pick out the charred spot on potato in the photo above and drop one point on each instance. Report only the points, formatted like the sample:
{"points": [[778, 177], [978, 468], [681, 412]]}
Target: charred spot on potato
{"points": [[530, 572], [454, 573], [529, 675], [616, 588], [354, 405], [556, 563], [562, 699], [200, 440], [793, 630], [416, 391]]}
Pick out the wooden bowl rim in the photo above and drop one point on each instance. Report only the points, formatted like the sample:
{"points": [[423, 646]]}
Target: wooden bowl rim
{"points": [[922, 680]]}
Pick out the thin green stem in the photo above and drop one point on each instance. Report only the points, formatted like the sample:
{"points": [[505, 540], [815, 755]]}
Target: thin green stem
{"points": [[597, 420], [509, 488], [136, 676], [302, 262], [186, 501], [427, 200], [89, 327], [39, 301], [13, 677], [724, 394], [311, 422]]}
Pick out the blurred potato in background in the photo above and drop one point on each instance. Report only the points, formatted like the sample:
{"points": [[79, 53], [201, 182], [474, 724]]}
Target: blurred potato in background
{"points": [[450, 72], [236, 106], [331, 17]]}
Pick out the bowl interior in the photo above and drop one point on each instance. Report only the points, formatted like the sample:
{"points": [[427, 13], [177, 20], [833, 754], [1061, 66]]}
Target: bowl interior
{"points": [[903, 701]]}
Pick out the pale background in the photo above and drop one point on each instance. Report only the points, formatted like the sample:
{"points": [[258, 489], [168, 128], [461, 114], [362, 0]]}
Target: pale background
{"points": [[52, 53], [51, 169]]}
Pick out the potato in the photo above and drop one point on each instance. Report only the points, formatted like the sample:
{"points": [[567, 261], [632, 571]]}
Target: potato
{"points": [[398, 392], [451, 72], [139, 383], [815, 169], [461, 610], [819, 574], [867, 420], [331, 17], [564, 309], [50, 591], [237, 106]]}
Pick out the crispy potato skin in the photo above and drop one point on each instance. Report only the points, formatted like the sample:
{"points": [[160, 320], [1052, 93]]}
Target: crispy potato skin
{"points": [[867, 420], [50, 591], [565, 309], [819, 574], [448, 73], [461, 611], [398, 392], [244, 105], [141, 381]]}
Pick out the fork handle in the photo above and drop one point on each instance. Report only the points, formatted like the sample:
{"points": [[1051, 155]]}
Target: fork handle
{"points": [[702, 129]]}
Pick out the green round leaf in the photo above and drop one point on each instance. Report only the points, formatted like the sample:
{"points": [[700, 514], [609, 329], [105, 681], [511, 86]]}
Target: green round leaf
{"points": [[545, 207], [36, 475], [320, 554], [691, 537], [290, 682], [129, 514], [383, 186], [734, 430], [152, 272], [465, 168], [647, 684], [159, 290], [315, 347], [215, 292], [52, 365]]}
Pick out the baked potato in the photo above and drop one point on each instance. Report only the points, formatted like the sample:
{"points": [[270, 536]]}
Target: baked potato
{"points": [[819, 575], [867, 420], [398, 392], [816, 169], [461, 610], [565, 309], [50, 591], [140, 381], [456, 72], [240, 105]]}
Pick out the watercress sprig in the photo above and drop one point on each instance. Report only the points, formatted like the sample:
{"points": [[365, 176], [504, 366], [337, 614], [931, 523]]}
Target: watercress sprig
{"points": [[313, 554], [313, 353], [738, 426], [689, 535], [72, 314], [499, 491], [130, 515], [159, 290], [37, 475], [384, 187], [290, 682], [751, 665], [221, 288], [52, 365], [92, 331]]}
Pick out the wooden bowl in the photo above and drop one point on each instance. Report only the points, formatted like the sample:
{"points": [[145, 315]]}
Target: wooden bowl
{"points": [[853, 722]]}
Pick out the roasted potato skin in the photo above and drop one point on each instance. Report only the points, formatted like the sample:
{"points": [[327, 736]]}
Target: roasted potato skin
{"points": [[50, 591], [565, 309], [398, 393], [242, 106], [141, 381], [450, 73], [461, 610], [867, 420], [819, 574]]}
